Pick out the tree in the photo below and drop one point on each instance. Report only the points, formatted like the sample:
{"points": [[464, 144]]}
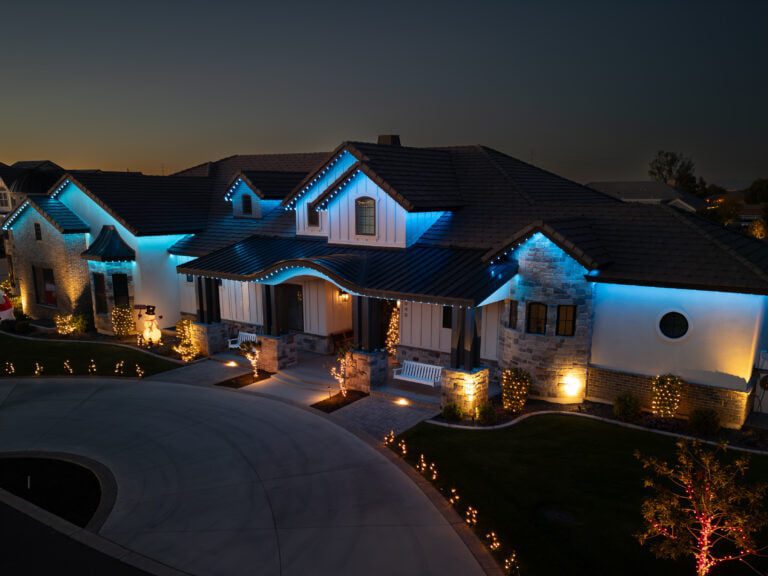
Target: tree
{"points": [[758, 229], [703, 507], [675, 170], [757, 193]]}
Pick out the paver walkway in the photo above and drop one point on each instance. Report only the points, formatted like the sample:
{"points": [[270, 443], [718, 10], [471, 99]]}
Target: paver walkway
{"points": [[218, 482], [377, 416]]}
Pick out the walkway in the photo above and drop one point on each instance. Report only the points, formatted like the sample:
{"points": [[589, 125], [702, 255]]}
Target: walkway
{"points": [[217, 482]]}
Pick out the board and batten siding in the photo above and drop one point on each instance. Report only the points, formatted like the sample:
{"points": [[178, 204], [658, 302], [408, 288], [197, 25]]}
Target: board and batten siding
{"points": [[324, 312], [187, 296], [241, 302], [421, 326], [489, 330], [302, 229]]}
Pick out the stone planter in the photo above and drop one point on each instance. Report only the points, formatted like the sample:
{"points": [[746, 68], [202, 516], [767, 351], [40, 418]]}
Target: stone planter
{"points": [[466, 389]]}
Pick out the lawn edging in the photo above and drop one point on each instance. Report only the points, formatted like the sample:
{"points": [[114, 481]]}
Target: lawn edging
{"points": [[101, 343], [593, 417]]}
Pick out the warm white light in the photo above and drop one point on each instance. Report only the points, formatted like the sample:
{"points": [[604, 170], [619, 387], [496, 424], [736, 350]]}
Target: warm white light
{"points": [[402, 402], [572, 385], [231, 364]]}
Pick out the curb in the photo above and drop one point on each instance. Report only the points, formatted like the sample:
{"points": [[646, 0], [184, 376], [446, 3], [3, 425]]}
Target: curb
{"points": [[593, 417]]}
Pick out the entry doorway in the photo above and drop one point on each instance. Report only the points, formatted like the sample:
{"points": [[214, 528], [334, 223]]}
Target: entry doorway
{"points": [[290, 307]]}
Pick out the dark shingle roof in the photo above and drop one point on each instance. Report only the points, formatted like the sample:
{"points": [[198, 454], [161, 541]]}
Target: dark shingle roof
{"points": [[61, 217], [272, 185], [647, 191], [109, 247]]}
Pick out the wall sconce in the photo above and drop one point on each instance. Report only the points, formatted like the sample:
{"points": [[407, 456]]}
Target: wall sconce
{"points": [[343, 296]]}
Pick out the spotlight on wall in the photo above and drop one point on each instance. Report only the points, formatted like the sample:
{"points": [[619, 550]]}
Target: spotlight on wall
{"points": [[343, 296], [572, 386]]}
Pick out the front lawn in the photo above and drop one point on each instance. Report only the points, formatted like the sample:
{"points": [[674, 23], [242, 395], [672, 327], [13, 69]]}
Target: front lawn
{"points": [[564, 491], [24, 353]]}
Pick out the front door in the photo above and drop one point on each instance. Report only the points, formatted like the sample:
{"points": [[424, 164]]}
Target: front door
{"points": [[290, 307]]}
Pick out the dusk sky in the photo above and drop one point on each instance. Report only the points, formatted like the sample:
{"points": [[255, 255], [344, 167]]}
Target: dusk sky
{"points": [[589, 90]]}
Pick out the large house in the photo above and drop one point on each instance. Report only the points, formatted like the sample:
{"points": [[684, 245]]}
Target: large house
{"points": [[492, 263]]}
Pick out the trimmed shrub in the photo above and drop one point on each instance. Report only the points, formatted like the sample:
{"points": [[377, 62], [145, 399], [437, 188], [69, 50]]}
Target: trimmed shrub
{"points": [[451, 412], [122, 321], [704, 422], [666, 392], [626, 407], [515, 385], [486, 414], [70, 323]]}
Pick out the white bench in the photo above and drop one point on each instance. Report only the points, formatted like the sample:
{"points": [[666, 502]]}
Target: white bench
{"points": [[418, 372], [242, 337]]}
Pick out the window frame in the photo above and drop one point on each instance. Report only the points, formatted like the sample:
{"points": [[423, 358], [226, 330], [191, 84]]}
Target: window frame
{"points": [[39, 281], [513, 315], [363, 220], [673, 338], [528, 317], [38, 232], [313, 217], [100, 303], [566, 322], [447, 314], [246, 200], [119, 302]]}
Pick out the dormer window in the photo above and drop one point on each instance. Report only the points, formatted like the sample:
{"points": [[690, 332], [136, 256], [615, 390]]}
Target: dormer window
{"points": [[365, 216], [247, 205], [313, 216]]}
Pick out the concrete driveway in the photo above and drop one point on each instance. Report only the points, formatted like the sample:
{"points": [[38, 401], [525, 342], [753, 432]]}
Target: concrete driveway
{"points": [[217, 482]]}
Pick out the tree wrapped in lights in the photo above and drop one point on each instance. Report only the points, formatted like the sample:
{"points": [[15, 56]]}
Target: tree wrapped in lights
{"points": [[119, 367], [67, 324], [92, 367], [68, 367], [515, 384], [122, 321], [9, 369], [342, 370], [393, 331], [139, 371], [666, 392], [186, 347], [39, 369], [702, 507], [251, 352]]}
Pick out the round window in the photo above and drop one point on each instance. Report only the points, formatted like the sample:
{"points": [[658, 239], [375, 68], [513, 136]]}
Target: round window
{"points": [[673, 325]]}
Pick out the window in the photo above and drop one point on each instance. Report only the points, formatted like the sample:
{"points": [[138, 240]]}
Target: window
{"points": [[447, 317], [512, 319], [38, 231], [5, 201], [100, 293], [673, 325], [365, 217], [45, 286], [313, 216], [566, 320], [536, 320], [120, 289], [247, 204], [190, 278]]}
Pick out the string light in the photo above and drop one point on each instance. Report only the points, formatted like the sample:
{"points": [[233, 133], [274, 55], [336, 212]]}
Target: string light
{"points": [[454, 497], [251, 352], [9, 369], [38, 369], [666, 393], [341, 372], [122, 321], [393, 331], [139, 371], [186, 348], [493, 541], [515, 384], [68, 323], [68, 367], [119, 367], [389, 439], [470, 516], [92, 367]]}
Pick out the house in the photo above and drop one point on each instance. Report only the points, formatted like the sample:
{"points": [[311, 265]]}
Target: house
{"points": [[97, 240], [650, 192], [493, 263]]}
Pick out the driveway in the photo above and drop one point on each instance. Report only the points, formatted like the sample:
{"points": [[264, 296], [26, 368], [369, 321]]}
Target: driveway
{"points": [[218, 482]]}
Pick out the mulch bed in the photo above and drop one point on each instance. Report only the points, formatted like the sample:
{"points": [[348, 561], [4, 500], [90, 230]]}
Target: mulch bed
{"points": [[244, 380], [339, 401]]}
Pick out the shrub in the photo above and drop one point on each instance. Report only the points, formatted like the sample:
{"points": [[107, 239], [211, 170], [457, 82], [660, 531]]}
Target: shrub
{"points": [[626, 407], [666, 392], [451, 412], [704, 422], [515, 384], [486, 414], [186, 347], [70, 323], [122, 321]]}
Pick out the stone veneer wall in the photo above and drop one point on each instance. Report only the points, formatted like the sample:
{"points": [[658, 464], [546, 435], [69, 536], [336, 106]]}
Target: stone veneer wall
{"points": [[57, 251], [421, 355], [314, 343], [550, 276], [210, 338], [277, 352], [467, 390], [368, 370], [732, 406], [103, 322]]}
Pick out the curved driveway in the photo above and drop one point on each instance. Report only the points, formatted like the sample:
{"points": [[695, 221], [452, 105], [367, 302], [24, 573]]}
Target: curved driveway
{"points": [[215, 482]]}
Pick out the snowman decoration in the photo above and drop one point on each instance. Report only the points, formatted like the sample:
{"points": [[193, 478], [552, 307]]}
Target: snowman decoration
{"points": [[151, 334]]}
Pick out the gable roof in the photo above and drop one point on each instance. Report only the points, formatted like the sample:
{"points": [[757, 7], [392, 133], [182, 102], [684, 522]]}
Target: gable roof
{"points": [[109, 246], [647, 191], [267, 184], [55, 212]]}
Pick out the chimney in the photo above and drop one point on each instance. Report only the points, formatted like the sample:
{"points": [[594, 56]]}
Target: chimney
{"points": [[389, 139]]}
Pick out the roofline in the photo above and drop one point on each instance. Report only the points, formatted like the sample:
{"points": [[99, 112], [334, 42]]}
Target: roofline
{"points": [[676, 285], [29, 201], [308, 178]]}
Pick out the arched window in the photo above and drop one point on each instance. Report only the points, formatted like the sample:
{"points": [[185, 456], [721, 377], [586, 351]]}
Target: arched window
{"points": [[365, 216]]}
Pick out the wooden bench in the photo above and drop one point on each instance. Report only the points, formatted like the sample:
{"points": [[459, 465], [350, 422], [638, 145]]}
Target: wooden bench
{"points": [[242, 337], [419, 373]]}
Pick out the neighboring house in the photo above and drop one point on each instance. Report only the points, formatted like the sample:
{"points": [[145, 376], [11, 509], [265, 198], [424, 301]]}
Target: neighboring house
{"points": [[6, 179], [494, 263], [650, 192]]}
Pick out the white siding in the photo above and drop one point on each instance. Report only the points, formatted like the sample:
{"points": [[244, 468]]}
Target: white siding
{"points": [[324, 312], [416, 223], [187, 296], [241, 302], [489, 335], [421, 326], [719, 348], [345, 161]]}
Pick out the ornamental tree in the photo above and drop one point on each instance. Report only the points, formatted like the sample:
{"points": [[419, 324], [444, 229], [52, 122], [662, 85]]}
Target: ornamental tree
{"points": [[702, 506]]}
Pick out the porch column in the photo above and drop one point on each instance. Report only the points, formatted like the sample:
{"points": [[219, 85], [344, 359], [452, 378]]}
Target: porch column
{"points": [[465, 338], [271, 324], [366, 324], [208, 310]]}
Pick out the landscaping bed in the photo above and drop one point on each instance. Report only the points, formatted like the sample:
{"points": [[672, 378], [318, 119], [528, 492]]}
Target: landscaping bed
{"points": [[564, 492], [24, 353], [337, 401], [245, 380]]}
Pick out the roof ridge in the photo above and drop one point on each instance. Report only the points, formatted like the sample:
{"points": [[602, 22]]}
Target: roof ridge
{"points": [[722, 246], [485, 151]]}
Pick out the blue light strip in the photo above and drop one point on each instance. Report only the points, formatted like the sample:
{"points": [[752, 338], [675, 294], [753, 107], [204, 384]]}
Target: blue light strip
{"points": [[292, 204], [15, 215], [60, 188], [324, 204], [228, 195]]}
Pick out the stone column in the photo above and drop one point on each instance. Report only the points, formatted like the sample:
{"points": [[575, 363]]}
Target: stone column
{"points": [[468, 389], [277, 352], [210, 338], [368, 370]]}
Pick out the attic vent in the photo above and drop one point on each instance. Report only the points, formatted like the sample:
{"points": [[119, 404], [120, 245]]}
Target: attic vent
{"points": [[389, 139]]}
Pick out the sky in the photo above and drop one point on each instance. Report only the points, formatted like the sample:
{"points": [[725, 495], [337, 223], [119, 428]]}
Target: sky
{"points": [[589, 90]]}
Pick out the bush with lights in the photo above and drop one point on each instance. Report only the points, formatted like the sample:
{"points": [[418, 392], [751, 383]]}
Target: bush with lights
{"points": [[666, 392], [122, 321], [67, 324], [252, 353], [186, 348], [515, 384], [393, 332]]}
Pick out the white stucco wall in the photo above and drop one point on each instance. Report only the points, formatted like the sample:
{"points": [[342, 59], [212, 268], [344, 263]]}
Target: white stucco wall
{"points": [[719, 348]]}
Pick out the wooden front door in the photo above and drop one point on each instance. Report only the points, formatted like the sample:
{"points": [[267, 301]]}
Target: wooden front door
{"points": [[290, 307]]}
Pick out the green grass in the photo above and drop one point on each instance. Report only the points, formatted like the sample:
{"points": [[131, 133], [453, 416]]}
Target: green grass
{"points": [[24, 353], [565, 492]]}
